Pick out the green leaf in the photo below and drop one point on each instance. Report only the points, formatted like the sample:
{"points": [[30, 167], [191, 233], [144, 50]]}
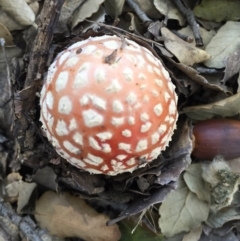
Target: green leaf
{"points": [[141, 233], [182, 211], [218, 10]]}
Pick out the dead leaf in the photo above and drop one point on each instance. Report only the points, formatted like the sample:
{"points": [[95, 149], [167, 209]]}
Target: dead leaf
{"points": [[19, 11], [193, 235], [218, 11], [220, 48], [68, 216], [6, 35], [168, 9], [223, 108], [114, 7], [182, 211], [185, 53], [85, 11], [193, 179]]}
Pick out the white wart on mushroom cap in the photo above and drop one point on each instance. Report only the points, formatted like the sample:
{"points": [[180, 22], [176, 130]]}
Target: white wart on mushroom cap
{"points": [[108, 104]]}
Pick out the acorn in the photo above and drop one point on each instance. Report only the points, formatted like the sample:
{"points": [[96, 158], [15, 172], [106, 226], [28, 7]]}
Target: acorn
{"points": [[216, 137]]}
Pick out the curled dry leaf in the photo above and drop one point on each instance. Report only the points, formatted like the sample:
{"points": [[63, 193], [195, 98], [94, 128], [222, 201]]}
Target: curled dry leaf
{"points": [[168, 9], [67, 216], [85, 11], [182, 211], [223, 44], [19, 11], [184, 52], [223, 108]]}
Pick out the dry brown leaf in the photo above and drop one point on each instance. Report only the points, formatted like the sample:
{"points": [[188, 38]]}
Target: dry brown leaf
{"points": [[67, 216], [227, 107], [6, 35], [184, 52]]}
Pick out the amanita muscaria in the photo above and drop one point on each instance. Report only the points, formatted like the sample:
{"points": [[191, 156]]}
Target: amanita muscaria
{"points": [[107, 105]]}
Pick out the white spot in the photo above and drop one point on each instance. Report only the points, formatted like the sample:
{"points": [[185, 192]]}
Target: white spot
{"points": [[117, 106], [131, 161], [155, 138], [71, 62], [65, 105], [155, 93], [145, 98], [128, 74], [137, 106], [72, 125], [142, 76], [171, 120], [117, 165], [104, 168], [78, 44], [114, 86], [89, 49], [92, 118], [164, 139], [143, 87], [78, 138], [172, 108], [167, 118], [61, 81], [132, 46], [162, 129], [121, 157], [61, 128], [103, 136], [151, 58], [49, 99], [106, 148], [171, 87], [166, 96], [127, 133], [141, 61], [157, 70], [94, 144], [93, 160], [84, 100], [55, 142], [141, 145], [98, 53], [100, 75], [117, 121], [63, 57], [81, 78], [71, 148], [159, 82], [158, 109], [131, 120], [131, 58], [98, 102], [150, 68], [76, 162], [155, 152], [165, 74], [111, 44], [124, 146], [145, 127], [144, 117], [131, 98]]}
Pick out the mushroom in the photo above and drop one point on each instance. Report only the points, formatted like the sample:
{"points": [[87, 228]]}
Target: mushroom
{"points": [[108, 105]]}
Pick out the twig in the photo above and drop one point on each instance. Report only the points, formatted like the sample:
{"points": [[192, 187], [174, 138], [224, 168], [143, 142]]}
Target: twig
{"points": [[191, 20], [186, 38], [146, 20]]}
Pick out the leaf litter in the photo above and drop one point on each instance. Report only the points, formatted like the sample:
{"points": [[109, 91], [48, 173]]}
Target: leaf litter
{"points": [[203, 66]]}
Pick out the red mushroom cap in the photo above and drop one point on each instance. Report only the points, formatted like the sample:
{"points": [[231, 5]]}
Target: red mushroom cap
{"points": [[107, 105]]}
